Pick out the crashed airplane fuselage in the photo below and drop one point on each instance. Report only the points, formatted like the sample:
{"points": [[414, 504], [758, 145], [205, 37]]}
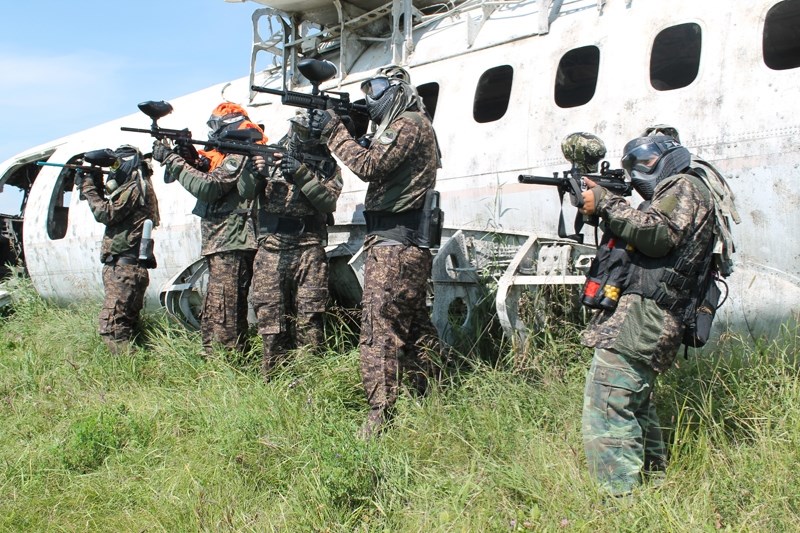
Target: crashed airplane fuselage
{"points": [[506, 81]]}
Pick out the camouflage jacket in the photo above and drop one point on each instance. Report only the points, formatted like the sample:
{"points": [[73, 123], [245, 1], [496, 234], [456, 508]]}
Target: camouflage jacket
{"points": [[309, 195], [677, 222], [400, 166], [123, 214], [226, 218]]}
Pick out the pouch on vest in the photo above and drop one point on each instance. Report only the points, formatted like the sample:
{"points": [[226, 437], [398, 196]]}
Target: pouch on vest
{"points": [[701, 313], [431, 223], [608, 275]]}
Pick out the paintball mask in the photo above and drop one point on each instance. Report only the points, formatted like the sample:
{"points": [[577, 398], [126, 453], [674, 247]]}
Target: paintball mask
{"points": [[379, 93], [583, 149], [225, 117], [649, 160], [129, 161]]}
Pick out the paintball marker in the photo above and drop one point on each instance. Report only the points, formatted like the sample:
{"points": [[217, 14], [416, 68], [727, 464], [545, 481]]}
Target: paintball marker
{"points": [[244, 142], [99, 163], [572, 182], [316, 71], [156, 110]]}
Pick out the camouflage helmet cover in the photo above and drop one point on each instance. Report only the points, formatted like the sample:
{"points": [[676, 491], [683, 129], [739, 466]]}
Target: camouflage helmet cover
{"points": [[583, 149], [395, 72], [661, 129]]}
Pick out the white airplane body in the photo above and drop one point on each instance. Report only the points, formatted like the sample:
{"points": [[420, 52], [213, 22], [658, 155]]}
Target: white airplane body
{"points": [[506, 80]]}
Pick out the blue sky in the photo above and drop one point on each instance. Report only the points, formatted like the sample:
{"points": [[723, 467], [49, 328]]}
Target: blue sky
{"points": [[70, 65]]}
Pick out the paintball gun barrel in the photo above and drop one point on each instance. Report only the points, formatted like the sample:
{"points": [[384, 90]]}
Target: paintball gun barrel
{"points": [[100, 162], [572, 182], [243, 141], [316, 71]]}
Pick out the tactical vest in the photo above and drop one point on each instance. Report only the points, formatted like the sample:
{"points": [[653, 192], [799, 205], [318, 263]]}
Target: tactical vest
{"points": [[672, 280], [401, 176]]}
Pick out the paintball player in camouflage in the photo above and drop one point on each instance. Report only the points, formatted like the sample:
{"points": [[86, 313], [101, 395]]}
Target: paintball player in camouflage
{"points": [[671, 235], [290, 275], [399, 163], [228, 232], [129, 201]]}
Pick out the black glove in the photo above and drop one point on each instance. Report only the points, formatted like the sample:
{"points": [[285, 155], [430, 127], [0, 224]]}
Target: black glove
{"points": [[161, 151], [188, 152], [289, 167], [203, 164], [319, 119]]}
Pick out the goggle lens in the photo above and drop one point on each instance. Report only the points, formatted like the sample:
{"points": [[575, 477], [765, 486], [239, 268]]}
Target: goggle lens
{"points": [[375, 87]]}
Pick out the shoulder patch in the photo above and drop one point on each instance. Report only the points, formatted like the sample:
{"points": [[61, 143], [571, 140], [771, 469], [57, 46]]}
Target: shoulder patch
{"points": [[231, 164], [667, 204], [387, 137]]}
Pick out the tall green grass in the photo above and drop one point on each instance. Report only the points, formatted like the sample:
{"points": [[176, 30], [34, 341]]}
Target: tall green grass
{"points": [[164, 440]]}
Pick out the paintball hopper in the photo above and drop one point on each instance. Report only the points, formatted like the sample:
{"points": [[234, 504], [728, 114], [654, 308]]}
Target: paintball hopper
{"points": [[316, 70], [155, 109], [104, 157]]}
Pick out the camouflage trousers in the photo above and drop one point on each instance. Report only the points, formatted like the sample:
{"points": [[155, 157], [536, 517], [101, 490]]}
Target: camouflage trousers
{"points": [[397, 335], [621, 433], [224, 319], [290, 292], [124, 287]]}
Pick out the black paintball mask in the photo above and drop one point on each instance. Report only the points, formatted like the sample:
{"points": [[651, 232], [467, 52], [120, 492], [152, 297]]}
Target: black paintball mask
{"points": [[128, 164], [379, 93], [218, 126], [649, 160]]}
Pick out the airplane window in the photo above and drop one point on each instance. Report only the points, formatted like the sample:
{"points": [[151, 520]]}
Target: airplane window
{"points": [[492, 94], [429, 92], [781, 36], [675, 59], [576, 77], [58, 213]]}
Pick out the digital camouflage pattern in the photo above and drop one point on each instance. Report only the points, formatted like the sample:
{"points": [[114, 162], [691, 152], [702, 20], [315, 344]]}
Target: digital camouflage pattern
{"points": [[399, 166], [638, 339], [290, 281], [124, 287], [661, 129], [584, 149], [226, 223], [228, 242], [290, 292], [397, 335], [224, 318], [679, 222], [621, 432], [123, 215]]}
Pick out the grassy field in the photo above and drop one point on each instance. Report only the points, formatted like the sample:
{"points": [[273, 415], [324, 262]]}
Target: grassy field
{"points": [[164, 440]]}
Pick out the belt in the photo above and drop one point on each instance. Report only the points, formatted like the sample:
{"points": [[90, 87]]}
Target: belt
{"points": [[123, 260], [383, 220], [271, 223]]}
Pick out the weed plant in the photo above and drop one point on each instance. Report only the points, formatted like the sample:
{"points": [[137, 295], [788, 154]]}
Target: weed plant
{"points": [[166, 440]]}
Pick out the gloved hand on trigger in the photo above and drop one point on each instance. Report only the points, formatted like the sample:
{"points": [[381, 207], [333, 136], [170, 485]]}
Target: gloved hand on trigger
{"points": [[289, 167], [203, 164], [188, 152], [319, 121]]}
